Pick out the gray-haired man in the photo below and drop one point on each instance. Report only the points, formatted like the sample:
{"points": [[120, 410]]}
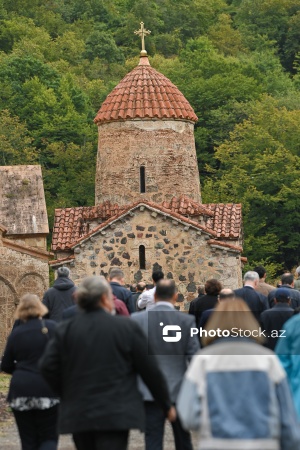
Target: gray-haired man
{"points": [[256, 302], [60, 296]]}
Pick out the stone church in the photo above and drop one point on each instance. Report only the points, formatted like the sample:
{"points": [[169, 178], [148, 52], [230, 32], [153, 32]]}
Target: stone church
{"points": [[148, 211], [23, 248]]}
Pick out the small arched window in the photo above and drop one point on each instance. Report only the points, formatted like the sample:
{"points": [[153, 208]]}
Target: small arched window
{"points": [[142, 257], [142, 179]]}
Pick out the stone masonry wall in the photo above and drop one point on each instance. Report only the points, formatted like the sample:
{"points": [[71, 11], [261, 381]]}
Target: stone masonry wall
{"points": [[19, 274], [166, 148], [183, 254]]}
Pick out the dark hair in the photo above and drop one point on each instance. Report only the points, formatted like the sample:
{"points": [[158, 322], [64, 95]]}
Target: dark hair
{"points": [[213, 287], [157, 275], [282, 299], [260, 270], [132, 288], [140, 287], [90, 292], [165, 289], [229, 295], [287, 278], [149, 286]]}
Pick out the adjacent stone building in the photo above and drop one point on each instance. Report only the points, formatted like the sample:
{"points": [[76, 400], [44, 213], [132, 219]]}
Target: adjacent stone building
{"points": [[23, 232], [148, 211]]}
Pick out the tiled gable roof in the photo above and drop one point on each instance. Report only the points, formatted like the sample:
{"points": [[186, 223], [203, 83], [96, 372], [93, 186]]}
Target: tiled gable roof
{"points": [[185, 206], [145, 93], [226, 219], [72, 224]]}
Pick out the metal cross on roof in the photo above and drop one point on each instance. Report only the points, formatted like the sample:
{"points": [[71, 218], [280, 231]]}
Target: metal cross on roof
{"points": [[142, 32]]}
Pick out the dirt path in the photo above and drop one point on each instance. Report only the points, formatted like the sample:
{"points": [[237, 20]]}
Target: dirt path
{"points": [[9, 439]]}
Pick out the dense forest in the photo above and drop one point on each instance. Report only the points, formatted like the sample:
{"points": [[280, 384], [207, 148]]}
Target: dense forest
{"points": [[236, 61]]}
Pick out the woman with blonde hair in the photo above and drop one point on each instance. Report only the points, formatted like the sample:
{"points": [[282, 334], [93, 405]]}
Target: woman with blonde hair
{"points": [[33, 403], [235, 391]]}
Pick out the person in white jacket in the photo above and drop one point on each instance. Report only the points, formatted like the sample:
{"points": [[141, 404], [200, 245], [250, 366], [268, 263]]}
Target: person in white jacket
{"points": [[146, 299]]}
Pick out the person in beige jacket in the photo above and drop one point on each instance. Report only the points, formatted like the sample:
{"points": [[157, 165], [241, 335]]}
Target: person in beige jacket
{"points": [[263, 287]]}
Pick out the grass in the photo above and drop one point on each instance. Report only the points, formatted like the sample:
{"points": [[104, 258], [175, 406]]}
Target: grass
{"points": [[5, 414], [4, 383]]}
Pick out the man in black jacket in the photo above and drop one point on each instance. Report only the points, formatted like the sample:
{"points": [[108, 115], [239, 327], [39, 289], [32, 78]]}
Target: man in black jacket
{"points": [[61, 295], [116, 279], [287, 282], [272, 320], [92, 363], [207, 301]]}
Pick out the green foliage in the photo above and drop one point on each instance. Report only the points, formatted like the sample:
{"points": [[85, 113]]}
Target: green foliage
{"points": [[15, 143], [236, 61], [259, 166]]}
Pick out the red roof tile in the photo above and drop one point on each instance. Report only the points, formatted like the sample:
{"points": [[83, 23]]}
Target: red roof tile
{"points": [[226, 219], [73, 224], [145, 93]]}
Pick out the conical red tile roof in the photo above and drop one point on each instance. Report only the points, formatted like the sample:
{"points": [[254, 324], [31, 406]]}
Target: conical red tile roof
{"points": [[145, 93]]}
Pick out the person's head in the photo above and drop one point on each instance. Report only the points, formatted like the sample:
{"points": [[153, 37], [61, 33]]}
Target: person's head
{"points": [[262, 273], [133, 287], [93, 293], [251, 278], [157, 275], [287, 279], [116, 275], [232, 314], [226, 294], [166, 291], [63, 272], [297, 271], [282, 295], [201, 289], [213, 287], [140, 287], [30, 307]]}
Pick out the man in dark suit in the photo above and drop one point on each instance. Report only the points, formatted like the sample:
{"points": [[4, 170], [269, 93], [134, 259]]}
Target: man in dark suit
{"points": [[287, 281], [201, 293], [208, 301], [272, 320], [256, 302], [92, 364], [172, 357]]}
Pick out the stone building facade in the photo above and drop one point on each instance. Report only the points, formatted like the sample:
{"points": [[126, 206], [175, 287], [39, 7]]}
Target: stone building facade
{"points": [[23, 230], [148, 211], [145, 237]]}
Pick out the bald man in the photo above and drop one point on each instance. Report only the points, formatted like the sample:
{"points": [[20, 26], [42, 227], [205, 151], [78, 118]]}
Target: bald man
{"points": [[225, 294]]}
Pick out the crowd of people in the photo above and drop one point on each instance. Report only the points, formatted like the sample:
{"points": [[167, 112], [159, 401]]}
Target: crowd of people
{"points": [[82, 363]]}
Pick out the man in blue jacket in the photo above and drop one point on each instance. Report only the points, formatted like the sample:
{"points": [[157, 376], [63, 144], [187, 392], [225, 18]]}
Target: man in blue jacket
{"points": [[116, 279]]}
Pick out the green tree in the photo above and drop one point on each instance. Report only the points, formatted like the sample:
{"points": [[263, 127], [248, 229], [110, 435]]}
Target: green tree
{"points": [[259, 166], [15, 142]]}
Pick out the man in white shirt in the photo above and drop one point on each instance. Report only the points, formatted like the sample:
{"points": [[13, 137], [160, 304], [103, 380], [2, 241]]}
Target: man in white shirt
{"points": [[146, 299]]}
